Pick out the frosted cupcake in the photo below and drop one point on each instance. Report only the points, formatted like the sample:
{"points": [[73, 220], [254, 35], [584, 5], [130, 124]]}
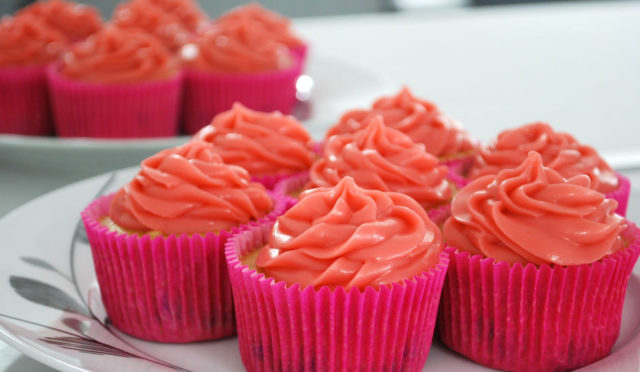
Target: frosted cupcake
{"points": [[539, 276], [117, 84], [559, 151], [75, 21], [27, 46], [422, 121], [270, 146], [349, 279], [231, 63], [158, 242], [190, 16]]}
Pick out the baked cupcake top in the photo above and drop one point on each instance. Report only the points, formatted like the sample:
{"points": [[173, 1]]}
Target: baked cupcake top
{"points": [[419, 119], [144, 15], [559, 151], [382, 158], [347, 237], [75, 21], [114, 55], [25, 41], [188, 189], [260, 142], [238, 47], [272, 24], [532, 214]]}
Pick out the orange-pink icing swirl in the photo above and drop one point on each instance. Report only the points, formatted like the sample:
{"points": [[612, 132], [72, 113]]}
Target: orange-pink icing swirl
{"points": [[532, 214], [238, 47], [347, 237], [382, 158], [188, 189], [25, 41], [262, 143], [187, 12], [75, 21], [559, 151], [419, 119], [114, 55], [272, 25]]}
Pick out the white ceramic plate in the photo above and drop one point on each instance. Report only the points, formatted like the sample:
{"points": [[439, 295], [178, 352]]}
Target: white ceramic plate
{"points": [[50, 307], [337, 86]]}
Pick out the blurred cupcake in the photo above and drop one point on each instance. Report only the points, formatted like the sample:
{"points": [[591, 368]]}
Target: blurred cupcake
{"points": [[559, 151], [75, 21], [270, 146], [117, 84], [191, 17], [236, 63], [272, 25], [27, 46], [539, 276], [382, 158], [349, 279], [158, 243], [422, 121]]}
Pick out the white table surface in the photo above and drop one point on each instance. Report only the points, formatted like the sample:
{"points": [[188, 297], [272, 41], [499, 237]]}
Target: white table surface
{"points": [[573, 65]]}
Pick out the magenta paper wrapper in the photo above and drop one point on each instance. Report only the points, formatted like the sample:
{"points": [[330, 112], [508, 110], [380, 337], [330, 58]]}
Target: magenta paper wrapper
{"points": [[439, 215], [550, 318], [301, 52], [147, 109], [284, 328], [24, 101], [459, 166], [621, 195], [207, 94], [270, 181], [293, 185], [166, 289]]}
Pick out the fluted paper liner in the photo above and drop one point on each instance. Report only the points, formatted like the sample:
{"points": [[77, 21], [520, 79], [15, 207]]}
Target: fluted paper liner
{"points": [[621, 195], [167, 289], [292, 186], [530, 318], [24, 101], [284, 328], [459, 165], [137, 110]]}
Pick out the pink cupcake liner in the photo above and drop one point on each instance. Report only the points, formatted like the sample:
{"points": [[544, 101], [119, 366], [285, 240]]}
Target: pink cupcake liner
{"points": [[207, 94], [439, 215], [147, 109], [457, 179], [166, 289], [301, 52], [284, 328], [292, 185], [318, 148], [621, 195], [270, 181], [24, 101], [459, 166], [529, 318]]}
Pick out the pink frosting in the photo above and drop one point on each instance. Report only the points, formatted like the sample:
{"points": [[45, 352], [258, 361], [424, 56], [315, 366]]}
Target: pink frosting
{"points": [[262, 143], [382, 158], [347, 237], [188, 189], [75, 21], [26, 40], [559, 151], [532, 214], [419, 119]]}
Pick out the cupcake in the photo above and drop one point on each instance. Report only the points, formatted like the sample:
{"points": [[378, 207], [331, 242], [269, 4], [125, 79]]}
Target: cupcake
{"points": [[348, 279], [559, 151], [27, 46], [272, 25], [270, 146], [538, 279], [422, 121], [230, 63], [75, 21], [190, 16], [117, 84], [382, 158], [158, 242]]}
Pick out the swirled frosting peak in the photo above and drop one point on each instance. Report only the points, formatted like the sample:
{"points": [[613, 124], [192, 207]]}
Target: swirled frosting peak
{"points": [[186, 11], [347, 236], [559, 151], [25, 40], [188, 189], [238, 47], [382, 158], [75, 21], [114, 55], [419, 119], [532, 214], [262, 143]]}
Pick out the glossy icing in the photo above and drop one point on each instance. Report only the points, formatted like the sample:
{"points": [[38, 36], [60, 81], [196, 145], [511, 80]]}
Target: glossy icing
{"points": [[75, 21], [25, 40]]}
